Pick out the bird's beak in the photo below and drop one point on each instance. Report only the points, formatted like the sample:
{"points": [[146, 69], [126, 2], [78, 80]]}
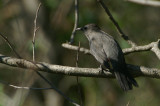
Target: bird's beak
{"points": [[79, 29]]}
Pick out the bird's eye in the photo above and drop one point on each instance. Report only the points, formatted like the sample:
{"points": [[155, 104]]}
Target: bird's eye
{"points": [[85, 28]]}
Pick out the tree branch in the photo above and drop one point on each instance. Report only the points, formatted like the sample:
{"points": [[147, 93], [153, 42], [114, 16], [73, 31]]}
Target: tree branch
{"points": [[125, 37], [73, 47], [34, 31], [76, 21], [20, 87], [153, 46], [77, 78], [10, 45], [74, 71], [146, 2], [33, 63]]}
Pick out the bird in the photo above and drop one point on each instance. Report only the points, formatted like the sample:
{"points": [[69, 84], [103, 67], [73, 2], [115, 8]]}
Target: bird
{"points": [[108, 53]]}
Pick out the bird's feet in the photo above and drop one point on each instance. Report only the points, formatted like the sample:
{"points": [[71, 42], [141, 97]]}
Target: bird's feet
{"points": [[101, 69]]}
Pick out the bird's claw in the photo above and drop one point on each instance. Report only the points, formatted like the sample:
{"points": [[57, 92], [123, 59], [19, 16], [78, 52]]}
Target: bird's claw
{"points": [[101, 69]]}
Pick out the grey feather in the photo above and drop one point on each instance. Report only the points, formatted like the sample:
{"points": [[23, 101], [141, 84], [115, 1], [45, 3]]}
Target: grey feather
{"points": [[106, 50]]}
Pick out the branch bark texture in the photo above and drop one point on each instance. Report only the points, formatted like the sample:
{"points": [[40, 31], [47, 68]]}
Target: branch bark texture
{"points": [[146, 2], [153, 46], [75, 71]]}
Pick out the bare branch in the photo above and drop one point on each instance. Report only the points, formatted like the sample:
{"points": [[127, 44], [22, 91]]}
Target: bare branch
{"points": [[121, 33], [146, 2], [10, 45], [138, 49], [35, 30], [33, 63], [74, 71], [76, 21], [156, 48], [77, 57], [19, 87], [77, 78], [153, 46], [72, 47], [45, 79], [20, 64]]}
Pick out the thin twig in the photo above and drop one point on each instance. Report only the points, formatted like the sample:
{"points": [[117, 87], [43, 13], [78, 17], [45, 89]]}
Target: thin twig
{"points": [[35, 30], [35, 65], [76, 21], [45, 79], [146, 2], [10, 45], [57, 90], [125, 37], [79, 88], [77, 57], [20, 87], [18, 56]]}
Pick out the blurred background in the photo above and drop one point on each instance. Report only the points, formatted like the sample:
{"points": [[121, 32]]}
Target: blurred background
{"points": [[55, 22]]}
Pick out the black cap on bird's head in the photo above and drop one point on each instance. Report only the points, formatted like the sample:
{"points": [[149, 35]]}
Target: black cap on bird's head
{"points": [[89, 27]]}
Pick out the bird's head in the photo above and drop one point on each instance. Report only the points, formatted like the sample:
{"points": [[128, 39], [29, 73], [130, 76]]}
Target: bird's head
{"points": [[88, 28]]}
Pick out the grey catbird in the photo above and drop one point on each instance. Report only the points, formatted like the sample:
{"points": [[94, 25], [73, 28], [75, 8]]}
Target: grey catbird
{"points": [[107, 51]]}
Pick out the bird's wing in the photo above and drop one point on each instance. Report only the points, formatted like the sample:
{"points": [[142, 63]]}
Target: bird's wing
{"points": [[96, 49], [116, 58], [110, 47], [113, 51]]}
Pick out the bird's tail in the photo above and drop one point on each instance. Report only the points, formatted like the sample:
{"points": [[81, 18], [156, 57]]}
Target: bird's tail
{"points": [[125, 80]]}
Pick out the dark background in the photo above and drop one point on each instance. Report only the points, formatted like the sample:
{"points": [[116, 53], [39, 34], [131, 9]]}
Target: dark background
{"points": [[55, 22]]}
